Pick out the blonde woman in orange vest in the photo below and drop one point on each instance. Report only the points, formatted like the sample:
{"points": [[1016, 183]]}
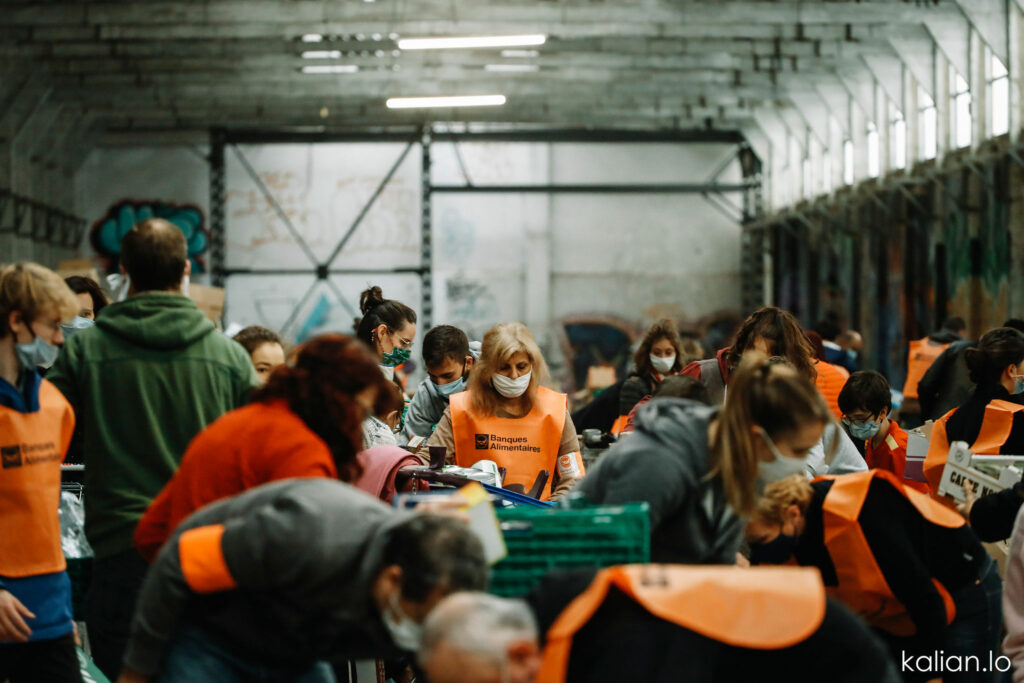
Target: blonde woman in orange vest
{"points": [[36, 423], [992, 419], [910, 566], [507, 416]]}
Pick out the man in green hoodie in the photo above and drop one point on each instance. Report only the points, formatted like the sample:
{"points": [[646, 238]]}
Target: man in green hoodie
{"points": [[148, 377]]}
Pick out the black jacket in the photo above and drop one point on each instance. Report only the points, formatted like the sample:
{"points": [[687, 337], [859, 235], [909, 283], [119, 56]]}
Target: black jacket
{"points": [[664, 462], [965, 424], [992, 516], [634, 389], [909, 550], [947, 384], [624, 642]]}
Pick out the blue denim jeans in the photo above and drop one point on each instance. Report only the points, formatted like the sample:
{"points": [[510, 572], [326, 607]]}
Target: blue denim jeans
{"points": [[977, 629], [193, 657]]}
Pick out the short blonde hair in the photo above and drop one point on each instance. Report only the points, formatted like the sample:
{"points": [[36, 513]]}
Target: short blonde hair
{"points": [[33, 290], [779, 495], [499, 345]]}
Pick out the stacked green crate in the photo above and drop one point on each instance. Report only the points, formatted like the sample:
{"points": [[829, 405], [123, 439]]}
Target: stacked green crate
{"points": [[539, 540]]}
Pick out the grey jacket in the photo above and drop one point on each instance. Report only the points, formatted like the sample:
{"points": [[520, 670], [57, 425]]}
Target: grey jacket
{"points": [[427, 406], [665, 463], [302, 553]]}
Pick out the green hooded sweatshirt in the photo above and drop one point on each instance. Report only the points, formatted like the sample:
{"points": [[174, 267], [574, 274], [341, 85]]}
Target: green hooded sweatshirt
{"points": [[148, 377]]}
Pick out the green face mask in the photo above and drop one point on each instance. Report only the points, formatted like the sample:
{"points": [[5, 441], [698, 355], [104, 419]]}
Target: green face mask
{"points": [[395, 357]]}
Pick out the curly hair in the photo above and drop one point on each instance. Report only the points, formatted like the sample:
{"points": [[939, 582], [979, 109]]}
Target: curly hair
{"points": [[663, 329], [779, 328], [321, 387]]}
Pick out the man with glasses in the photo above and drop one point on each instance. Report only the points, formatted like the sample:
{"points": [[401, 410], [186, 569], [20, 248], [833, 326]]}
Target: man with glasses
{"points": [[865, 402]]}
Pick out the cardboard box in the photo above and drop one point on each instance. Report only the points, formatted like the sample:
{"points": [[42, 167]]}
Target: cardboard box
{"points": [[210, 301], [917, 449], [959, 469], [80, 267]]}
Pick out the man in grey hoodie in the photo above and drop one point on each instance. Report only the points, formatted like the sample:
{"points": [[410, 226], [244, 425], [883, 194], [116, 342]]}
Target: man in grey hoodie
{"points": [[448, 355], [269, 584]]}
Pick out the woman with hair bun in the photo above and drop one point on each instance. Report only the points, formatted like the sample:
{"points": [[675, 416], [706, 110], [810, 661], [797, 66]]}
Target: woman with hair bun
{"points": [[507, 416], [306, 421], [992, 419], [388, 327]]}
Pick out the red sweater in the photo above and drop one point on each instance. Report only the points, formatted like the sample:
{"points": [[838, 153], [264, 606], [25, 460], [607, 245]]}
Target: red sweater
{"points": [[245, 448]]}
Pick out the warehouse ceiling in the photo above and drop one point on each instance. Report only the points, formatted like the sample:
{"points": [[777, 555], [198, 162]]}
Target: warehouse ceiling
{"points": [[166, 68]]}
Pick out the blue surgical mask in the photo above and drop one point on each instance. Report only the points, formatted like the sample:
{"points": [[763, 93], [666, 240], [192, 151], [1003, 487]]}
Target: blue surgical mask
{"points": [[79, 323], [452, 387], [777, 551], [863, 430], [1018, 385], [37, 353]]}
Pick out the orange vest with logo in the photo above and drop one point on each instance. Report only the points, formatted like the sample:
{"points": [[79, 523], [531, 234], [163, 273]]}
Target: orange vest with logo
{"points": [[32, 446], [762, 608], [862, 586], [995, 430], [523, 446], [830, 381], [922, 354]]}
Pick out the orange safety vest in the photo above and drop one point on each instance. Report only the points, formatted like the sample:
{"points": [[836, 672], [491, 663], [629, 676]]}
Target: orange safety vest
{"points": [[762, 608], [620, 423], [523, 446], [830, 381], [922, 354], [995, 430], [862, 586], [33, 446]]}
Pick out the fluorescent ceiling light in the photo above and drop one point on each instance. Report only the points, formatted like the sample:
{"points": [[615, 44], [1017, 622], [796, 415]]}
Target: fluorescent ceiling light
{"points": [[470, 42], [519, 53], [511, 67], [312, 38], [459, 101], [321, 54], [331, 69]]}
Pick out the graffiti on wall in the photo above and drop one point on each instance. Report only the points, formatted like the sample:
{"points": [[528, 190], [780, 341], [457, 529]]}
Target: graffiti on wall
{"points": [[107, 232]]}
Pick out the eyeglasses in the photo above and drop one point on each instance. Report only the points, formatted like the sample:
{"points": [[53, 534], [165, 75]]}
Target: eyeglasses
{"points": [[859, 423], [403, 343]]}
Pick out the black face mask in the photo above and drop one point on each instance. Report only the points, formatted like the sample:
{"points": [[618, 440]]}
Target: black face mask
{"points": [[777, 551]]}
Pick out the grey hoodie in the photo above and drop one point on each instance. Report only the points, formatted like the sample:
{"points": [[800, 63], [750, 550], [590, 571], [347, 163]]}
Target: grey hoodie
{"points": [[427, 406], [665, 463], [302, 569]]}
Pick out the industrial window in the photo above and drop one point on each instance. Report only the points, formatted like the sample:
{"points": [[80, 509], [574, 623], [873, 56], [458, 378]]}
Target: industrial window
{"points": [[874, 153], [960, 109], [928, 140], [808, 181], [897, 138], [848, 162], [999, 96], [826, 171]]}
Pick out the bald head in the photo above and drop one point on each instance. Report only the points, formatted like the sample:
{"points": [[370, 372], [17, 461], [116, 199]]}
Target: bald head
{"points": [[155, 255], [480, 638], [850, 340]]}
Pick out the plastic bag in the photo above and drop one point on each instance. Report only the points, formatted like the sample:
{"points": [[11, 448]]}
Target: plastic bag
{"points": [[72, 527]]}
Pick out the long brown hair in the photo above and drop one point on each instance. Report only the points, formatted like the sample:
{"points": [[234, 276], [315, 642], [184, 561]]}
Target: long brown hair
{"points": [[321, 387], [663, 329], [783, 331], [772, 396], [501, 343]]}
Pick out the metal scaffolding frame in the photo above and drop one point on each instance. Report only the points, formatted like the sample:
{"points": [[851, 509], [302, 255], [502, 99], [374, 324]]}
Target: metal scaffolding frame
{"points": [[751, 189]]}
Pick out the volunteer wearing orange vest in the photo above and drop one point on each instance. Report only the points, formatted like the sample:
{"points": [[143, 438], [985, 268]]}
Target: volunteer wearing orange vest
{"points": [[507, 416], [655, 624], [659, 355], [699, 468], [910, 566], [920, 356], [865, 402], [830, 378], [992, 419], [36, 423]]}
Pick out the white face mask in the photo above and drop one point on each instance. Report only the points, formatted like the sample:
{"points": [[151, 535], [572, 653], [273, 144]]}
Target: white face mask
{"points": [[781, 467], [663, 365], [511, 388], [404, 632], [185, 281]]}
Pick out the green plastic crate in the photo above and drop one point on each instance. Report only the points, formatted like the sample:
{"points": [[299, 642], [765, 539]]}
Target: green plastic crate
{"points": [[540, 540]]}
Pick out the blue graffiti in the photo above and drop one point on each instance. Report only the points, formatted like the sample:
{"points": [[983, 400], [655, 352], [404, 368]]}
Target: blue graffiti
{"points": [[106, 233]]}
